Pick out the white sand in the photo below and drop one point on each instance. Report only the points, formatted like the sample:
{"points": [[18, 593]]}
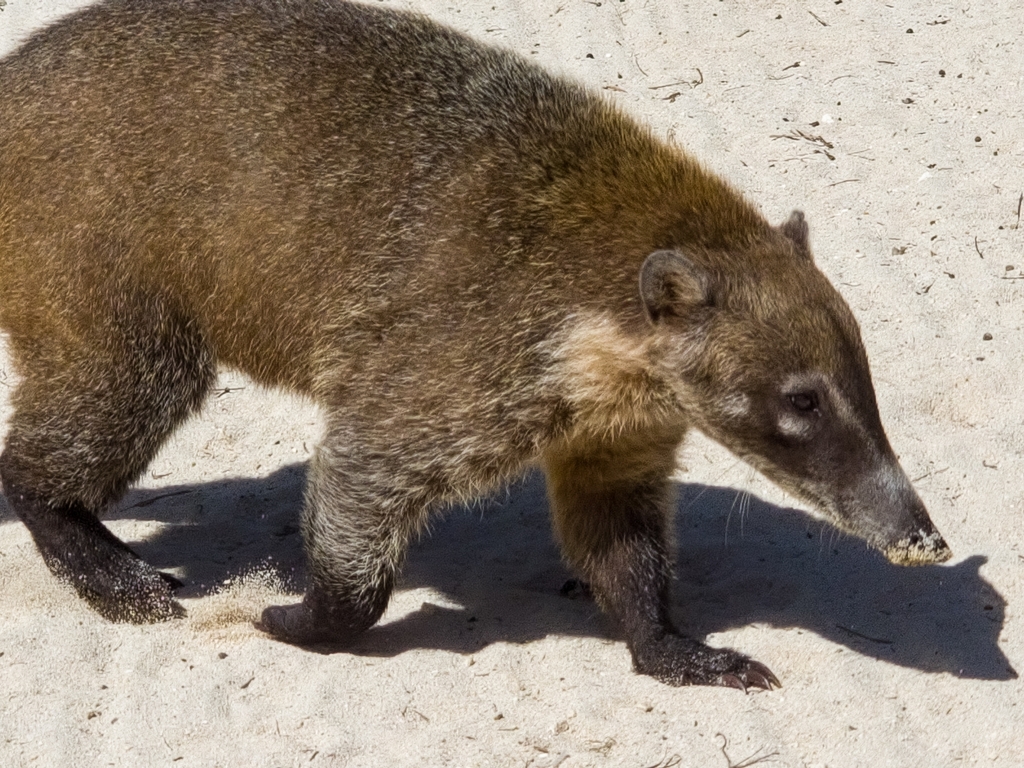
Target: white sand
{"points": [[479, 660]]}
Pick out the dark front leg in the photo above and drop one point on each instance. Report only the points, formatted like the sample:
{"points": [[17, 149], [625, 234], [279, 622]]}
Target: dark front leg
{"points": [[614, 532], [630, 580]]}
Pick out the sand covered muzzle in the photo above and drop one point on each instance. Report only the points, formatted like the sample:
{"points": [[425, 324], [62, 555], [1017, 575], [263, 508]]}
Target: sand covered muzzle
{"points": [[884, 509], [923, 547]]}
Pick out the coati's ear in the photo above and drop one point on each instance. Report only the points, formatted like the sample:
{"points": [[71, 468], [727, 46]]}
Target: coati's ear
{"points": [[795, 228], [670, 284]]}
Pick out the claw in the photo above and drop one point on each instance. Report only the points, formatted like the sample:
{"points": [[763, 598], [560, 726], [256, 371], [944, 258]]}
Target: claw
{"points": [[757, 680], [729, 680], [172, 581], [752, 675], [766, 674]]}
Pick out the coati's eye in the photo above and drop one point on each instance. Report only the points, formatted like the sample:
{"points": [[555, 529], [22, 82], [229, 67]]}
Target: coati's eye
{"points": [[804, 401]]}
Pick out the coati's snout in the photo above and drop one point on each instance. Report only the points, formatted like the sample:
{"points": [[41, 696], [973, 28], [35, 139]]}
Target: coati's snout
{"points": [[829, 450], [774, 370]]}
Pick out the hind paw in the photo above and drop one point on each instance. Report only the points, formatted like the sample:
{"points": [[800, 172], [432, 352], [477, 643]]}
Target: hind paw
{"points": [[136, 593]]}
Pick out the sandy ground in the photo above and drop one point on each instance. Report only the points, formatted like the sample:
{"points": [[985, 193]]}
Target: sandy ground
{"points": [[898, 128]]}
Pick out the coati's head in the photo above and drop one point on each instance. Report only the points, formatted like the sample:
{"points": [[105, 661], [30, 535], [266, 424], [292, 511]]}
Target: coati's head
{"points": [[768, 361]]}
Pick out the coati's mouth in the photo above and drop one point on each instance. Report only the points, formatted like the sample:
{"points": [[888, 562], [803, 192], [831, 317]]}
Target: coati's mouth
{"points": [[919, 548], [925, 546]]}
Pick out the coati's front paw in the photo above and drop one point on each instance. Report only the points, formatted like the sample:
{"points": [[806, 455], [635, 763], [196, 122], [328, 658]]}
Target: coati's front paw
{"points": [[678, 660]]}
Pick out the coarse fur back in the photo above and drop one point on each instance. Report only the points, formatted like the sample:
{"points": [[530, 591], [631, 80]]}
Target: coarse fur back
{"points": [[323, 180]]}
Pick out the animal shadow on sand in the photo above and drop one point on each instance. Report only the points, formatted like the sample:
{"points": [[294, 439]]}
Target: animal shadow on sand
{"points": [[496, 576]]}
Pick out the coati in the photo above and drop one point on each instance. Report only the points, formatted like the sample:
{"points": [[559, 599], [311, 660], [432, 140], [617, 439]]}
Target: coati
{"points": [[471, 265]]}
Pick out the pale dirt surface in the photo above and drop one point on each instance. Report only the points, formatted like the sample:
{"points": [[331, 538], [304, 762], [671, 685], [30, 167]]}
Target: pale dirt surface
{"points": [[913, 207]]}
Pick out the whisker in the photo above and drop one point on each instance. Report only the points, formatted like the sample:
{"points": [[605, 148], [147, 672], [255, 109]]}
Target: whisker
{"points": [[706, 488], [728, 517]]}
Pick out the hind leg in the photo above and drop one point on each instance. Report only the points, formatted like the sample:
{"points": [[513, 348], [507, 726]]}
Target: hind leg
{"points": [[359, 515], [89, 415], [612, 509], [78, 549]]}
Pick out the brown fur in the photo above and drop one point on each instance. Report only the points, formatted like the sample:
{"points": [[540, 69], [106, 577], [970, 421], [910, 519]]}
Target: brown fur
{"points": [[440, 244]]}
